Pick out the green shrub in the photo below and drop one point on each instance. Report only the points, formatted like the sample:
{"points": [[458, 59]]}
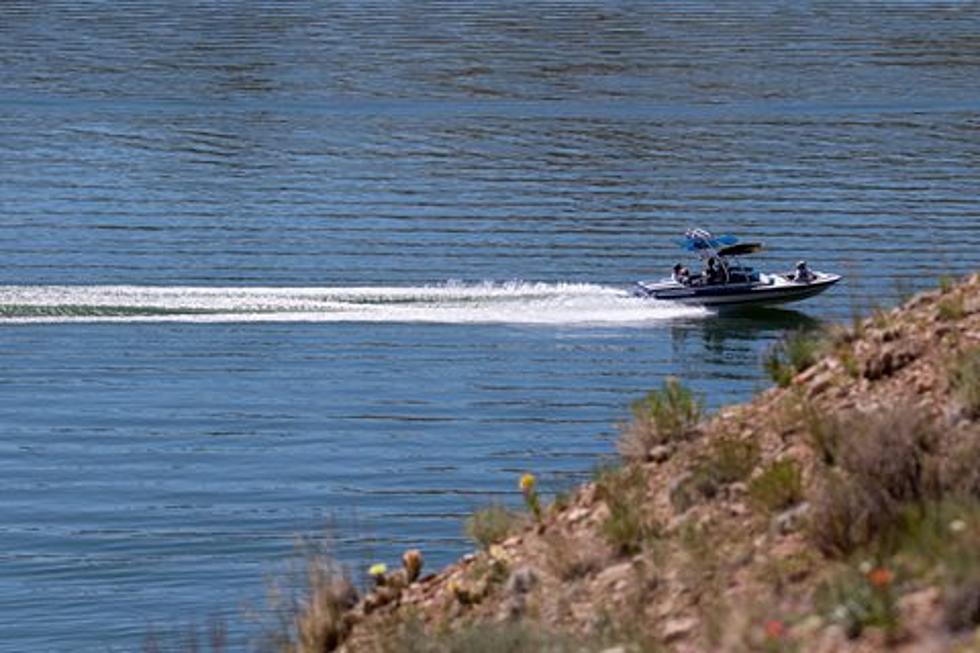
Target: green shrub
{"points": [[781, 373], [628, 527], [492, 524], [666, 414], [964, 377], [794, 353], [779, 486], [951, 308], [729, 460]]}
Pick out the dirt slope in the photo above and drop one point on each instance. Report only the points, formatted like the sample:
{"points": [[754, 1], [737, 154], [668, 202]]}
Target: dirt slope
{"points": [[832, 514]]}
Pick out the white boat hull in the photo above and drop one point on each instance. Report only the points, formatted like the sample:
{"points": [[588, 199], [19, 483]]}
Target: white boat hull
{"points": [[770, 289]]}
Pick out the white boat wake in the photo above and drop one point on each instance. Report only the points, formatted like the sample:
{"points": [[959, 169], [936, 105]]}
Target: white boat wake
{"points": [[451, 303]]}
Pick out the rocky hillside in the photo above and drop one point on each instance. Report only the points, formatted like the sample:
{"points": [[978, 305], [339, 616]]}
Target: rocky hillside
{"points": [[838, 512]]}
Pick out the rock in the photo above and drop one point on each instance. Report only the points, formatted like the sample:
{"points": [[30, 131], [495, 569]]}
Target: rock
{"points": [[889, 335], [660, 454], [611, 576], [736, 490], [737, 509], [677, 629], [832, 640], [923, 385], [889, 361], [806, 630], [807, 375], [469, 593], [380, 597], [916, 607], [576, 515], [619, 648], [821, 383], [791, 520]]}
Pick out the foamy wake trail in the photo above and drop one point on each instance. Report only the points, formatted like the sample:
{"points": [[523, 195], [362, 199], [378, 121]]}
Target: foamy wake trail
{"points": [[451, 303]]}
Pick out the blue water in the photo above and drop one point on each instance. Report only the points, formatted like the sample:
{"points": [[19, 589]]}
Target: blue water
{"points": [[276, 268]]}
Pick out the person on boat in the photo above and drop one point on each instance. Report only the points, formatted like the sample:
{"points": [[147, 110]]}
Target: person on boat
{"points": [[712, 273], [681, 275], [803, 273]]}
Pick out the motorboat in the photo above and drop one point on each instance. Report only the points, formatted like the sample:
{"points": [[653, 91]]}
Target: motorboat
{"points": [[726, 282]]}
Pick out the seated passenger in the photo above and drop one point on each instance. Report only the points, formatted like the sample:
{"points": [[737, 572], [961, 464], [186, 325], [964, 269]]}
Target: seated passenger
{"points": [[803, 273], [712, 273], [681, 275]]}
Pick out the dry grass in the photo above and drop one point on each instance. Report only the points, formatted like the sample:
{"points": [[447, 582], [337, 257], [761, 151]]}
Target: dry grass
{"points": [[569, 559], [314, 620], [885, 461], [510, 637], [669, 413], [960, 469], [826, 432], [843, 516], [964, 378], [891, 453]]}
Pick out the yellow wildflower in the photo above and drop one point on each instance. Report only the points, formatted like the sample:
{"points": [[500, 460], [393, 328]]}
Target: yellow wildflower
{"points": [[378, 569], [527, 483]]}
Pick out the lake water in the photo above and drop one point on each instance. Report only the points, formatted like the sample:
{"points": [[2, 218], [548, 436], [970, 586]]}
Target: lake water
{"points": [[274, 267]]}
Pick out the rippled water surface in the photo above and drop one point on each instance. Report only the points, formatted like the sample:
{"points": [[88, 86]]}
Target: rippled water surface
{"points": [[273, 266]]}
